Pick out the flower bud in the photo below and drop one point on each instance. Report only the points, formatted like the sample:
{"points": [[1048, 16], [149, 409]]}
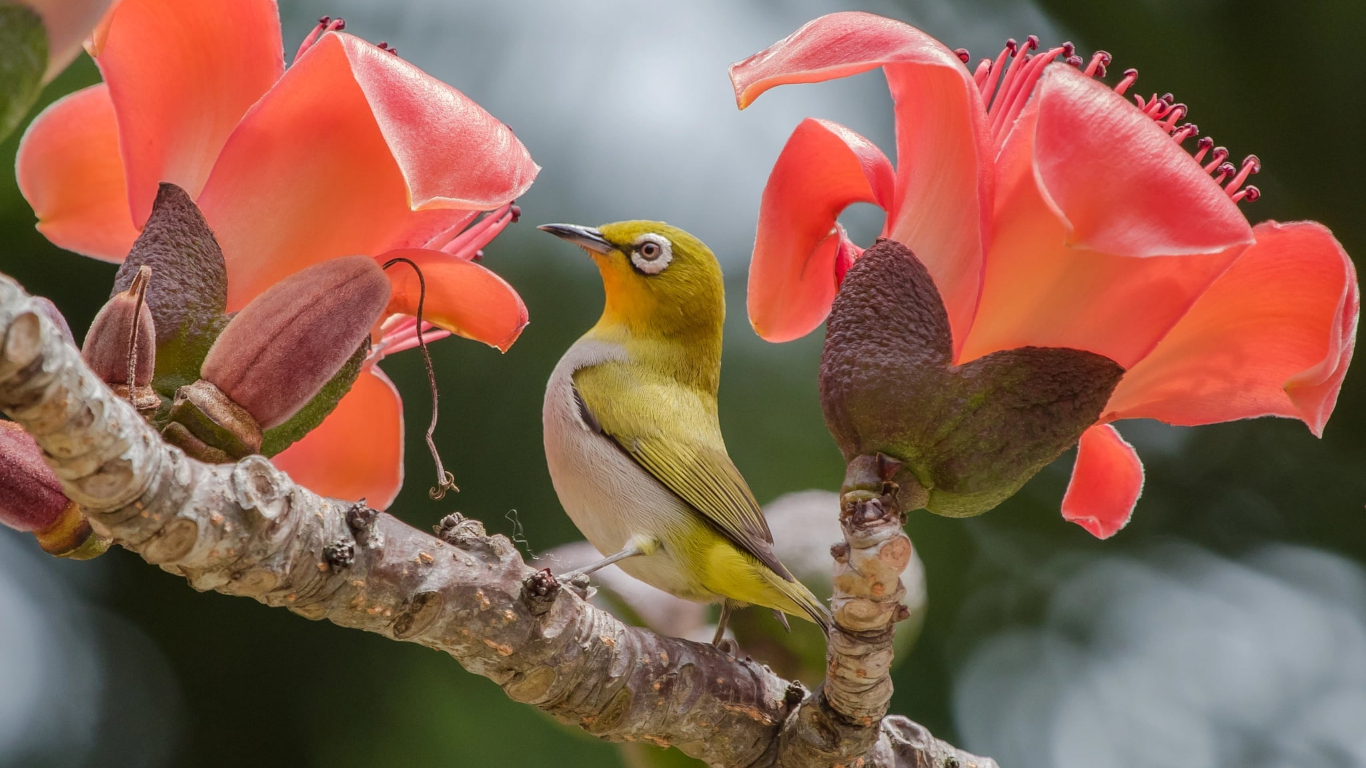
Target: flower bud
{"points": [[964, 437], [120, 346], [57, 318], [280, 350], [31, 499]]}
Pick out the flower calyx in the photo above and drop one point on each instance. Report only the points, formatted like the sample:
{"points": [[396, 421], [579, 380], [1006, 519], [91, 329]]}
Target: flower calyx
{"points": [[921, 431]]}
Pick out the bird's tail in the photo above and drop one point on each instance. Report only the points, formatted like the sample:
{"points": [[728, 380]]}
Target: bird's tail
{"points": [[802, 603]]}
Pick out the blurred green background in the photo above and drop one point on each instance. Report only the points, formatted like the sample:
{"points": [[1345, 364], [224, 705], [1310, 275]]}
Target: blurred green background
{"points": [[1226, 624]]}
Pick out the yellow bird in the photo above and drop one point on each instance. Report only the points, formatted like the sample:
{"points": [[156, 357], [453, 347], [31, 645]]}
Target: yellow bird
{"points": [[631, 432]]}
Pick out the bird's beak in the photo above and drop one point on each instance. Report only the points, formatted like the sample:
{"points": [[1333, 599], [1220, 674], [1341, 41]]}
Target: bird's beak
{"points": [[584, 237]]}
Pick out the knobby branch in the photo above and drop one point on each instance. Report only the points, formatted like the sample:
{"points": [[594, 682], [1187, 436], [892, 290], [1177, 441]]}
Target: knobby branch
{"points": [[247, 529]]}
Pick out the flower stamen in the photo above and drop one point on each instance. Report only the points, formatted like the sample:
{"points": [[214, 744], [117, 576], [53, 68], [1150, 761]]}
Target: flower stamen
{"points": [[325, 24], [1220, 155], [1250, 166], [1007, 82], [1130, 77], [1099, 61], [479, 234]]}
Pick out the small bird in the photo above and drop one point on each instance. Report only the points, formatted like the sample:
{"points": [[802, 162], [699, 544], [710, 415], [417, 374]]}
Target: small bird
{"points": [[632, 437]]}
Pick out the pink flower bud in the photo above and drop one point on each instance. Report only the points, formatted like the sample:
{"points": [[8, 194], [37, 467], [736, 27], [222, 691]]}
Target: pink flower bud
{"points": [[31, 496], [31, 499], [115, 346], [280, 350], [57, 318]]}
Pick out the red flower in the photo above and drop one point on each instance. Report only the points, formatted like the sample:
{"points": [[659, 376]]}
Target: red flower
{"points": [[352, 150], [1052, 211]]}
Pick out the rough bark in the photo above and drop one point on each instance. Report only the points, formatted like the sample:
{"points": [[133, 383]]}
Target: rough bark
{"points": [[247, 529]]}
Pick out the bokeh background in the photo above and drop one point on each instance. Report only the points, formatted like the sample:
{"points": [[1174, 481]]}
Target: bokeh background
{"points": [[1225, 626]]}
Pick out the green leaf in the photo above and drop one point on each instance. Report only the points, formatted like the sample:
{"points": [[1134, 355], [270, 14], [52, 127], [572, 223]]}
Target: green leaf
{"points": [[322, 404], [188, 292], [23, 59]]}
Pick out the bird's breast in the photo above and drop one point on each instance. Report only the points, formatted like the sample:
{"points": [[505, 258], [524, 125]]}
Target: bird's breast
{"points": [[608, 495]]}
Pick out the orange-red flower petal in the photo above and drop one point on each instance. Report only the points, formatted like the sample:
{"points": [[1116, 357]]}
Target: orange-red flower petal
{"points": [[823, 169], [1106, 231], [69, 170], [480, 164], [181, 75], [1271, 337], [324, 166], [357, 452], [1106, 482], [462, 296], [944, 173]]}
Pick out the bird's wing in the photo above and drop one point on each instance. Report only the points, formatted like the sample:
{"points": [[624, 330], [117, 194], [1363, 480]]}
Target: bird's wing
{"points": [[671, 433]]}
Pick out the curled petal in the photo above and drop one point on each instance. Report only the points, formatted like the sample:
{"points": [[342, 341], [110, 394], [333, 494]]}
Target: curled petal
{"points": [[1106, 232], [1271, 337], [1106, 482], [70, 171], [327, 164], [794, 276], [1118, 180], [462, 296], [181, 75], [944, 174], [357, 452], [418, 113]]}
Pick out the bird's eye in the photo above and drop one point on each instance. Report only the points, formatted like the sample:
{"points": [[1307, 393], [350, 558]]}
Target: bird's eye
{"points": [[652, 253]]}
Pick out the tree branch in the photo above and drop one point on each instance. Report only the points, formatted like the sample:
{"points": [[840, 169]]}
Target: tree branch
{"points": [[247, 529]]}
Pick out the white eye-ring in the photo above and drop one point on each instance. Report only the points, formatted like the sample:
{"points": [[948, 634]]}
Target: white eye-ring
{"points": [[652, 253]]}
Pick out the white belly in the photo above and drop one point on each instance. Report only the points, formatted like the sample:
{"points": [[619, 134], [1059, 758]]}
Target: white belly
{"points": [[608, 496]]}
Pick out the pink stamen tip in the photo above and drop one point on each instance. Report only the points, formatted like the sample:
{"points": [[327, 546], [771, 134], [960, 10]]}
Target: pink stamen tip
{"points": [[337, 25], [1178, 111], [324, 20], [1250, 166], [383, 46], [478, 255], [1012, 47], [1068, 49], [962, 54], [1032, 42], [1219, 156], [1099, 61], [1223, 172], [1129, 78], [1074, 61], [516, 212], [1185, 132], [1203, 146], [1248, 193]]}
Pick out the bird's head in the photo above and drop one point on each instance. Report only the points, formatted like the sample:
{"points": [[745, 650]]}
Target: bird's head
{"points": [[660, 281]]}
